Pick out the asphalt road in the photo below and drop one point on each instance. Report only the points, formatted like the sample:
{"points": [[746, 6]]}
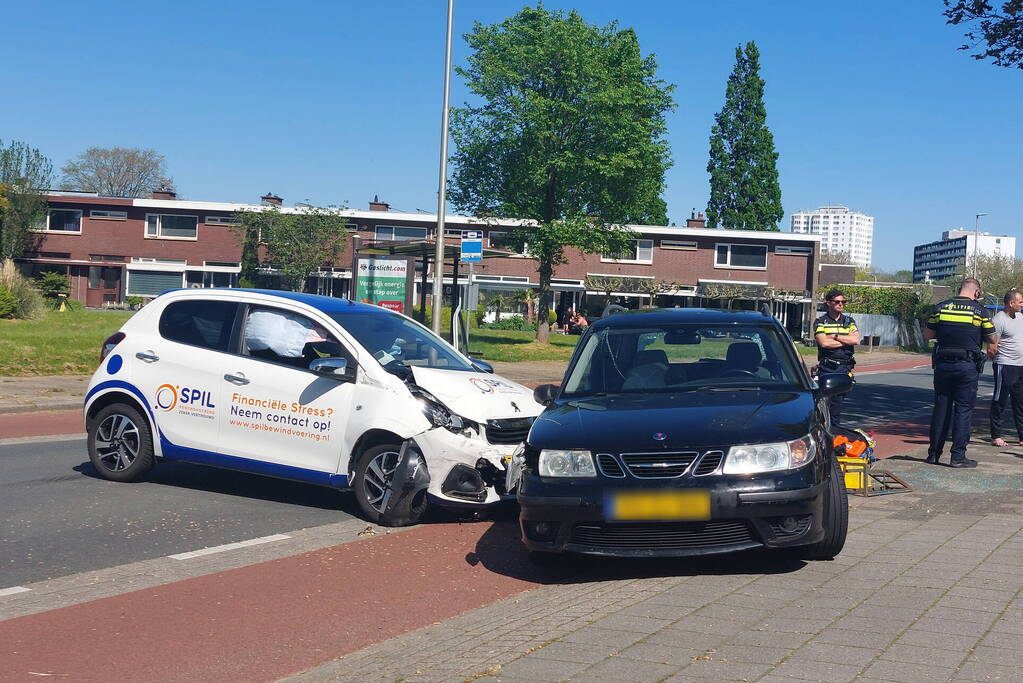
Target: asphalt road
{"points": [[58, 518]]}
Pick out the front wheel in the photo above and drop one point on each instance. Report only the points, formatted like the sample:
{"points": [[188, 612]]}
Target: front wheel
{"points": [[374, 476], [836, 518], [120, 443]]}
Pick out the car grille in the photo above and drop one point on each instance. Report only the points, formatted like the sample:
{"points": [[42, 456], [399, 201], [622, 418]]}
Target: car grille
{"points": [[658, 465], [665, 535], [509, 431], [609, 467], [709, 463]]}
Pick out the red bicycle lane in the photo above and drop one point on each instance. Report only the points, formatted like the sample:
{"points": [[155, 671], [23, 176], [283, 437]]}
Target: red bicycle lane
{"points": [[275, 618]]}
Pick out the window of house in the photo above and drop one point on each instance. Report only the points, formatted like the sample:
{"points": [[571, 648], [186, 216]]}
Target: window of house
{"points": [[152, 282], [686, 245], [110, 215], [642, 251], [803, 251], [503, 240], [387, 233], [210, 278], [171, 226], [741, 256], [107, 277], [221, 220], [62, 220]]}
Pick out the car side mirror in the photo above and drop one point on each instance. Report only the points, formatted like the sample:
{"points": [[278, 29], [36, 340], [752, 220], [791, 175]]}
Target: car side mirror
{"points": [[834, 383], [545, 394], [336, 368], [482, 365]]}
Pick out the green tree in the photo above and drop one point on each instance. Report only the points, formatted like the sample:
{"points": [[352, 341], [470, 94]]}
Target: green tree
{"points": [[744, 189], [1000, 31], [117, 172], [24, 174], [296, 243], [569, 132]]}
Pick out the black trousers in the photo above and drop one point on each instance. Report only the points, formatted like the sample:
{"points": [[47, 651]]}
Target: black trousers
{"points": [[955, 394], [835, 402], [1008, 392]]}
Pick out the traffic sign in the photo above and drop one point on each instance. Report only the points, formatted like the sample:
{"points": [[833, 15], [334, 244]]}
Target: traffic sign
{"points": [[472, 246]]}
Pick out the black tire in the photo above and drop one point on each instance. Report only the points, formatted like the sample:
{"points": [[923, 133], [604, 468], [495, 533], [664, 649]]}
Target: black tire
{"points": [[836, 518], [121, 443], [372, 480]]}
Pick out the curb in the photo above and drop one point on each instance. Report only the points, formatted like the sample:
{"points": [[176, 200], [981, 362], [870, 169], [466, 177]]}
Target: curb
{"points": [[37, 408]]}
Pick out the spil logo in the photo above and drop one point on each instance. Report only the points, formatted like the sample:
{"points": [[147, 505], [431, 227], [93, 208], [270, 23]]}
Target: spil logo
{"points": [[169, 395]]}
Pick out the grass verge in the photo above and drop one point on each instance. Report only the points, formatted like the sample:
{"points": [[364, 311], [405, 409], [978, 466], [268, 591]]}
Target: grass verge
{"points": [[57, 344], [511, 347]]}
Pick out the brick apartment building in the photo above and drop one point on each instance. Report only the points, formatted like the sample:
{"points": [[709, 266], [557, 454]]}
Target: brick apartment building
{"points": [[113, 248]]}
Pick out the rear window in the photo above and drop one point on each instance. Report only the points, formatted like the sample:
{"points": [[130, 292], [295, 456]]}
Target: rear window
{"points": [[199, 323]]}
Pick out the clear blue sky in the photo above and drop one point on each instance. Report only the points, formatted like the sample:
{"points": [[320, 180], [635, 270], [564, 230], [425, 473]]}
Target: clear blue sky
{"points": [[870, 103]]}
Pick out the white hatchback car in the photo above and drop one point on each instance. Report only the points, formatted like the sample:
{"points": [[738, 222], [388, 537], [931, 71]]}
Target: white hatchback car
{"points": [[308, 388]]}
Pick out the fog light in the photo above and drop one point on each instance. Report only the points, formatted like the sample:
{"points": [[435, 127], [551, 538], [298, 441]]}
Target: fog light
{"points": [[789, 524], [541, 531]]}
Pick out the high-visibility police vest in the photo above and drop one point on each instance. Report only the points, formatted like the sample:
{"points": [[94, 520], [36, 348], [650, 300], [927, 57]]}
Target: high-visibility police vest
{"points": [[828, 325], [960, 323]]}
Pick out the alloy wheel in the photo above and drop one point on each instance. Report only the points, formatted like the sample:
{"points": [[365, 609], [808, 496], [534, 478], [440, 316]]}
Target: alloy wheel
{"points": [[378, 478], [117, 442]]}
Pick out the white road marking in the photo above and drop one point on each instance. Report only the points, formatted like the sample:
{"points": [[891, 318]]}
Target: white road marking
{"points": [[229, 546], [13, 590]]}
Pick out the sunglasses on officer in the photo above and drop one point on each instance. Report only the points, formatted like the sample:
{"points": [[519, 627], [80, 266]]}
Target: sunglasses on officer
{"points": [[837, 302]]}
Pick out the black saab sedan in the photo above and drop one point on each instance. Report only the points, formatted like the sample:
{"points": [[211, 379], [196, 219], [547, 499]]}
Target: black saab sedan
{"points": [[682, 432]]}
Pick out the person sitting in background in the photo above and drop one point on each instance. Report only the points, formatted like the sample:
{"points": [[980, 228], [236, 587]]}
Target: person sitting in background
{"points": [[577, 323]]}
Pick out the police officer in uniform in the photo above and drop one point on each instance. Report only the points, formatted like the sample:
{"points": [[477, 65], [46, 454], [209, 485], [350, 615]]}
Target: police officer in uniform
{"points": [[837, 337], [960, 325]]}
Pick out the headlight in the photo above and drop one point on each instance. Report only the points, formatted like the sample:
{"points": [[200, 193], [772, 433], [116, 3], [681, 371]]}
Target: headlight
{"points": [[437, 414], [566, 464], [769, 457]]}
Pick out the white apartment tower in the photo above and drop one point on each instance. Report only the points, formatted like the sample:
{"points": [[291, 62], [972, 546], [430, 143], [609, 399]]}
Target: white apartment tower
{"points": [[842, 231]]}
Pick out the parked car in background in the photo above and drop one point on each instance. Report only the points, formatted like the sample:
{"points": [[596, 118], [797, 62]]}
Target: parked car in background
{"points": [[682, 432], [309, 388]]}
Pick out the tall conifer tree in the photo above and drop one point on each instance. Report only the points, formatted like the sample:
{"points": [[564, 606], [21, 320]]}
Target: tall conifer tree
{"points": [[744, 189]]}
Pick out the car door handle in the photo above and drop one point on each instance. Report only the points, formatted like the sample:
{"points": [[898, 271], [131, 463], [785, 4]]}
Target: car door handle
{"points": [[236, 379], [147, 356]]}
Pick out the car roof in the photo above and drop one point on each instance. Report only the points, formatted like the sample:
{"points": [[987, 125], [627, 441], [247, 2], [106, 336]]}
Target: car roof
{"points": [[670, 316], [327, 304]]}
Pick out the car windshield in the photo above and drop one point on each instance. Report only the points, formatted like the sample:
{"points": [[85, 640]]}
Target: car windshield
{"points": [[396, 340], [688, 357]]}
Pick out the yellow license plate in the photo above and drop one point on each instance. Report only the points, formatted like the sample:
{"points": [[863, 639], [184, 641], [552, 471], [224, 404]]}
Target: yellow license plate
{"points": [[692, 504]]}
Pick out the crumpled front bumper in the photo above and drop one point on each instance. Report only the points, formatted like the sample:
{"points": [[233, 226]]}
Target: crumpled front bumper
{"points": [[464, 470]]}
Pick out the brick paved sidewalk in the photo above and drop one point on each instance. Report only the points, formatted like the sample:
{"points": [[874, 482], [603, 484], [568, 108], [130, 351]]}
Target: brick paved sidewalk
{"points": [[928, 588]]}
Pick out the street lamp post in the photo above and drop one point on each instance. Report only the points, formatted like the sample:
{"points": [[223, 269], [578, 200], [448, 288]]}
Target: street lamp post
{"points": [[438, 255], [976, 240]]}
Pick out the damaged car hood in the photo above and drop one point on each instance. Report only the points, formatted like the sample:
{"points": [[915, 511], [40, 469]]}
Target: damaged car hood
{"points": [[478, 396]]}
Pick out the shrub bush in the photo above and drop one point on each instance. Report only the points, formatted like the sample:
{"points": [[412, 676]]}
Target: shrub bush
{"points": [[52, 284], [515, 322], [28, 303], [8, 304]]}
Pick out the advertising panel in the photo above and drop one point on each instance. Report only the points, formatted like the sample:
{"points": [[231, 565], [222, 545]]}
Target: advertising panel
{"points": [[383, 283]]}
